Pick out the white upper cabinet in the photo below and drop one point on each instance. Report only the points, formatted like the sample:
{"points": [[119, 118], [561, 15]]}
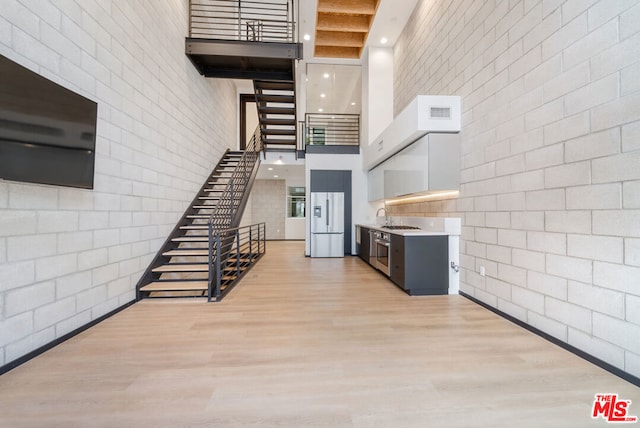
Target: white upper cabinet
{"points": [[425, 114], [375, 182], [430, 164]]}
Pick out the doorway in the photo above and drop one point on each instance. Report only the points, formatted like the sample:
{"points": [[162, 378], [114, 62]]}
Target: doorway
{"points": [[248, 118]]}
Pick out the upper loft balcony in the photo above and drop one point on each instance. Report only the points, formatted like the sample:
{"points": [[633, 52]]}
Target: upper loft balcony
{"points": [[243, 39], [331, 133]]}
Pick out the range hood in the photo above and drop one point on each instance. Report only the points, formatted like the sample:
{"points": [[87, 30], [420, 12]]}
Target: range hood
{"points": [[425, 114]]}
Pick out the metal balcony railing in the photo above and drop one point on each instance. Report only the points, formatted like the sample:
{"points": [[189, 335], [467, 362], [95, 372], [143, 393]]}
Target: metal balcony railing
{"points": [[332, 129], [243, 20]]}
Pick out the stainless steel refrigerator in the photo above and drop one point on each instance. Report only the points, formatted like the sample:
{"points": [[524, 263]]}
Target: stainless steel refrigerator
{"points": [[327, 224]]}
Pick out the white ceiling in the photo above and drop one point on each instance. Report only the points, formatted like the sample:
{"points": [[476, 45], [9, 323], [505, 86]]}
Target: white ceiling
{"points": [[281, 172]]}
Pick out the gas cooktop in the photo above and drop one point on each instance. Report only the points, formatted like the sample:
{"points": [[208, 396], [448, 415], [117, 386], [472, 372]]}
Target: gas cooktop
{"points": [[399, 227]]}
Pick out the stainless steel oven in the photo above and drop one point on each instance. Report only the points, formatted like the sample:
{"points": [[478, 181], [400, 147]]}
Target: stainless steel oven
{"points": [[380, 254], [372, 247]]}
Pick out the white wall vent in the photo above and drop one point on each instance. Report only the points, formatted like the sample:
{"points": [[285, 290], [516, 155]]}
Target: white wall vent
{"points": [[440, 113]]}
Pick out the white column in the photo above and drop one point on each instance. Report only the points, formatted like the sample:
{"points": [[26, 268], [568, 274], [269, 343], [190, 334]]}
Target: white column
{"points": [[377, 92]]}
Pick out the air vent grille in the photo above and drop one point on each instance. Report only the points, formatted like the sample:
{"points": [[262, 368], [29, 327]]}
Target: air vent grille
{"points": [[440, 112]]}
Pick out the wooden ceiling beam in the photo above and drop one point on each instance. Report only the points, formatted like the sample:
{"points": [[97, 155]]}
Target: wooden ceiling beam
{"points": [[337, 38], [340, 22], [342, 27], [358, 7], [337, 52]]}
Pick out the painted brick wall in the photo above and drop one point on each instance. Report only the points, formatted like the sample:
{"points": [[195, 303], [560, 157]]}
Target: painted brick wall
{"points": [[268, 202], [69, 256], [550, 158]]}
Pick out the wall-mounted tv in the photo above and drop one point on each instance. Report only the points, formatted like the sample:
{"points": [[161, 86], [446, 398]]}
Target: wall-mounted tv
{"points": [[47, 132]]}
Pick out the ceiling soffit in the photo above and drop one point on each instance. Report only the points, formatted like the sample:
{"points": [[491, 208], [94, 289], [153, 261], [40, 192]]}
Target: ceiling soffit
{"points": [[342, 27]]}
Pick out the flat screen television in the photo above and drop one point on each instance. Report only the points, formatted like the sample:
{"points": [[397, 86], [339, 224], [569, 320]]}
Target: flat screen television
{"points": [[47, 132]]}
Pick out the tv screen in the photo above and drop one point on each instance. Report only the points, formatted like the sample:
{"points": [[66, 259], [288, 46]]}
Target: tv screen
{"points": [[47, 132]]}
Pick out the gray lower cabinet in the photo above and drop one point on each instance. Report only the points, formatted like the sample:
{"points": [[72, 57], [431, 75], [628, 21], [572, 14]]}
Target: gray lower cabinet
{"points": [[419, 264], [363, 249]]}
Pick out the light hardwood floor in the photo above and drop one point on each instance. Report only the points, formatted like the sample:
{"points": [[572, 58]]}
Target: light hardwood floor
{"points": [[307, 342]]}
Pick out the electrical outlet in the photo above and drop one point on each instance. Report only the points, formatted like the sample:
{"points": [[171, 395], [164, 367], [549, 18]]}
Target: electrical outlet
{"points": [[483, 272]]}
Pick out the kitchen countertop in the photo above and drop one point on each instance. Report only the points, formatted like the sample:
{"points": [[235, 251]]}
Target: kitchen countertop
{"points": [[405, 232]]}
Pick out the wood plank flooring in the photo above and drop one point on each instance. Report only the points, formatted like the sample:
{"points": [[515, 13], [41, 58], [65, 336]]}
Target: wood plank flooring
{"points": [[307, 343]]}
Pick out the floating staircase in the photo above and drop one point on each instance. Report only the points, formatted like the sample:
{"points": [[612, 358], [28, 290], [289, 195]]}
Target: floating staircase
{"points": [[191, 260], [276, 103]]}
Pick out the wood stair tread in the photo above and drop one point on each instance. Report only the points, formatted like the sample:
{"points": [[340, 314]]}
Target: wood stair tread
{"points": [[232, 259], [275, 98], [175, 286], [186, 253], [203, 238], [272, 85], [235, 268], [276, 121], [280, 142], [271, 131], [195, 267], [277, 110]]}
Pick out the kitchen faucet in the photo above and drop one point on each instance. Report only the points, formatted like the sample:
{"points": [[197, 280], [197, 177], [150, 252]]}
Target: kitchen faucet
{"points": [[387, 221]]}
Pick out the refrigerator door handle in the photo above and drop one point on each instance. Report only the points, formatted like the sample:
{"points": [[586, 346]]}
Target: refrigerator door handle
{"points": [[328, 212]]}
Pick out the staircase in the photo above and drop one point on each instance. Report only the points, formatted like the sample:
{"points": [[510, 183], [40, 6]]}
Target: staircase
{"points": [[276, 103], [191, 259]]}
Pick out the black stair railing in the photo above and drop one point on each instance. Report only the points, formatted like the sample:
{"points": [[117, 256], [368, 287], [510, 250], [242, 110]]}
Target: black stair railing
{"points": [[243, 20], [224, 216], [226, 213], [223, 230], [232, 253], [161, 259]]}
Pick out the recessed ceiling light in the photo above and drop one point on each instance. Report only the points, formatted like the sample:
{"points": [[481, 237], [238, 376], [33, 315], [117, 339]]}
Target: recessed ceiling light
{"points": [[275, 176], [320, 110], [322, 95], [307, 37], [270, 169], [325, 75], [384, 40], [353, 103]]}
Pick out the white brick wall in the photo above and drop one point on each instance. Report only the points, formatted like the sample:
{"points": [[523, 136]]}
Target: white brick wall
{"points": [[551, 108], [68, 256], [269, 202]]}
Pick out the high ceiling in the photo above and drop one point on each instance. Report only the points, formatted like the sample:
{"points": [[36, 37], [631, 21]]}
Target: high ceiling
{"points": [[342, 27]]}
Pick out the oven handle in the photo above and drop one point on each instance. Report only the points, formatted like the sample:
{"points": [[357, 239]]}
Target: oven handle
{"points": [[385, 243]]}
